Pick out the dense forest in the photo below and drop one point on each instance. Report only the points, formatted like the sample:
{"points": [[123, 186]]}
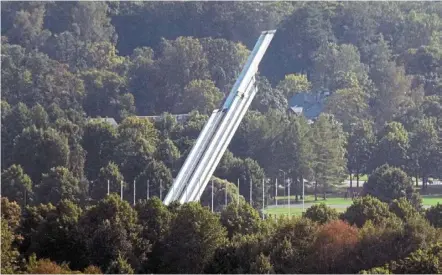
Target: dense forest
{"points": [[65, 66]]}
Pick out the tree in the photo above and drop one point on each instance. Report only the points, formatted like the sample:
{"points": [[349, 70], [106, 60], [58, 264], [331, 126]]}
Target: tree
{"points": [[32, 77], [16, 185], [104, 93], [111, 175], [313, 29], [45, 266], [268, 98], [10, 219], [424, 142], [293, 84], [109, 230], [194, 235], [334, 245], [91, 22], [225, 60], [298, 163], [133, 128], [332, 61], [55, 237], [38, 151], [365, 209], [120, 266], [321, 213], [420, 261], [156, 175], [98, 141], [183, 58], [329, 163], [291, 244], [360, 145], [243, 254], [200, 95], [348, 104], [168, 153], [388, 183], [27, 29], [10, 254], [220, 188], [11, 212], [392, 146], [403, 209], [393, 94], [39, 116], [434, 215], [241, 219], [59, 184], [14, 120]]}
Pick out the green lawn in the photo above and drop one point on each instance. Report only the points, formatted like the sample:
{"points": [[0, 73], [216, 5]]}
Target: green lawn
{"points": [[361, 177], [340, 204]]}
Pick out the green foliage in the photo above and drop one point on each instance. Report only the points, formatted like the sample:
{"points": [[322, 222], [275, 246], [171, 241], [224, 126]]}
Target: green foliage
{"points": [[59, 184], [109, 176], [388, 183], [242, 255], [360, 145], [10, 253], [421, 261], [191, 241], [55, 237], [434, 215], [321, 213], [392, 146], [291, 245], [109, 230], [67, 65], [37, 151], [200, 95], [16, 185], [98, 140], [329, 163], [120, 266], [241, 219], [365, 209], [293, 84], [45, 266], [376, 270], [403, 209]]}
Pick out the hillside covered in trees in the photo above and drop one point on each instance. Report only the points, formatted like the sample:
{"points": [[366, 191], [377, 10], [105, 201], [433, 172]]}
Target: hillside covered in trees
{"points": [[65, 66]]}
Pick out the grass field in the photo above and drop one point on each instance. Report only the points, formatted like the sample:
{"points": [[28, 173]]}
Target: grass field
{"points": [[340, 204]]}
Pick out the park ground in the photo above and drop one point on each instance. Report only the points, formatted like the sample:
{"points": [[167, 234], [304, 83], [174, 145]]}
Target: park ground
{"points": [[433, 197]]}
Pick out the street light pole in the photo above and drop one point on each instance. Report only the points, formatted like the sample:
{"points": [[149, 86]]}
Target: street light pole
{"points": [[289, 196], [276, 192], [303, 195], [285, 185]]}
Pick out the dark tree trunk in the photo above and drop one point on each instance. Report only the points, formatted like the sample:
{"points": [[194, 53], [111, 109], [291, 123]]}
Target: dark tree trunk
{"points": [[351, 182], [357, 179], [316, 190], [296, 190], [417, 179]]}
